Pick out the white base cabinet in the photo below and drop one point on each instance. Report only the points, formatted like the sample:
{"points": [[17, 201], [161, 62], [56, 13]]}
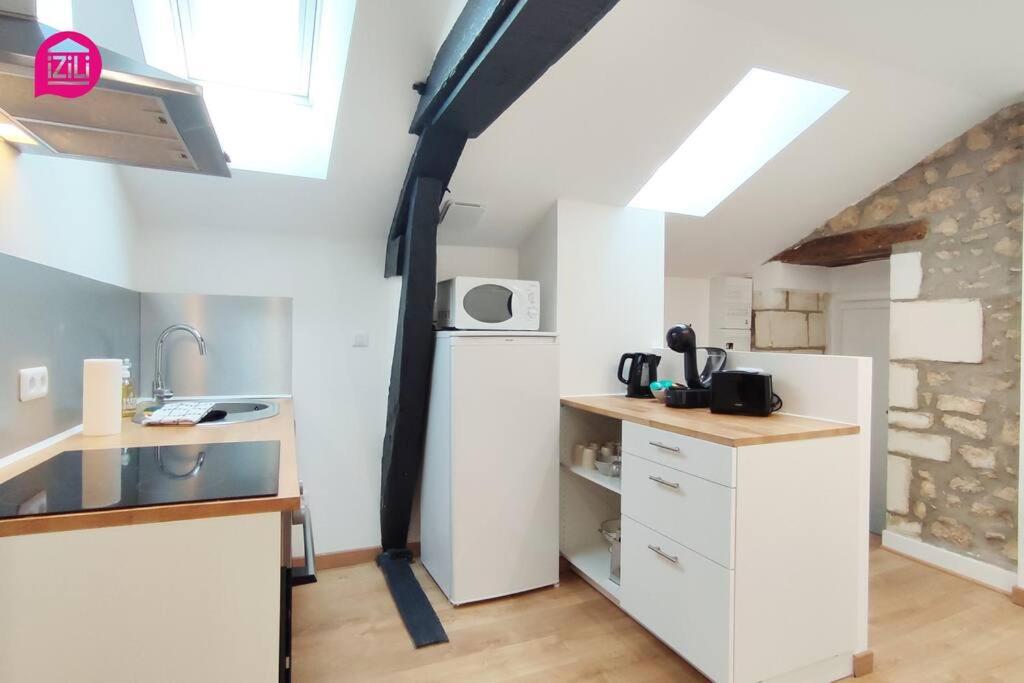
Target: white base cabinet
{"points": [[193, 600], [743, 560]]}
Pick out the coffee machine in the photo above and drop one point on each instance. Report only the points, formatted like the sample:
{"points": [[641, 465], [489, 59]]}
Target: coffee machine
{"points": [[697, 392]]}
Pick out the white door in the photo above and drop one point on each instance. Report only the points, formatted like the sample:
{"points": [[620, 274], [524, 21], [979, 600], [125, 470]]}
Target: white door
{"points": [[861, 328]]}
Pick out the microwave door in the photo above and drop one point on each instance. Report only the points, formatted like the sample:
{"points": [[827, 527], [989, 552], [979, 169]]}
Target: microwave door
{"points": [[489, 303], [516, 305]]}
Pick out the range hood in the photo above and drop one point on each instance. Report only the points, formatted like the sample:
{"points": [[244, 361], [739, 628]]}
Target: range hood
{"points": [[136, 115]]}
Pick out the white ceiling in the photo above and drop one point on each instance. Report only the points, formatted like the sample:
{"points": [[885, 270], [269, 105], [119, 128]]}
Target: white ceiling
{"points": [[603, 119], [606, 116], [392, 47]]}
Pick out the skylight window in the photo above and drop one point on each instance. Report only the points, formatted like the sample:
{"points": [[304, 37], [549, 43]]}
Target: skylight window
{"points": [[760, 116], [271, 72], [55, 13], [259, 45]]}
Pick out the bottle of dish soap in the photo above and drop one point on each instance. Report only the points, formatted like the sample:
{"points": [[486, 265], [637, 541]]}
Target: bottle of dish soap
{"points": [[129, 402]]}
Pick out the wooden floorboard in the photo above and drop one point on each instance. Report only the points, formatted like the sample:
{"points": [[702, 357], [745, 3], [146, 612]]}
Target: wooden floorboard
{"points": [[926, 626]]}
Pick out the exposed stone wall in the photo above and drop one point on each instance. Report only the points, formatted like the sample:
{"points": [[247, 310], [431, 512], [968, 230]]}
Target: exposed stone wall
{"points": [[789, 320], [955, 340]]}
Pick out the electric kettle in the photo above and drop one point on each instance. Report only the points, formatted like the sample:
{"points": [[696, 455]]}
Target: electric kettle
{"points": [[643, 369]]}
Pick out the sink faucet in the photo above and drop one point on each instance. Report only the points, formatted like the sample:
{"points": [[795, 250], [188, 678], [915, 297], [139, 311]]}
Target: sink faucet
{"points": [[160, 392]]}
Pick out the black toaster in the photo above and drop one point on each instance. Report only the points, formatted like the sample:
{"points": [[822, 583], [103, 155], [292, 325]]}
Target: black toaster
{"points": [[741, 392]]}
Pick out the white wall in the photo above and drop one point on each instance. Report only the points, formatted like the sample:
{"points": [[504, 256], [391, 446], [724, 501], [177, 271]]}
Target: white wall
{"points": [[67, 214], [538, 260], [340, 391], [777, 275], [863, 279], [611, 291], [687, 300], [477, 262]]}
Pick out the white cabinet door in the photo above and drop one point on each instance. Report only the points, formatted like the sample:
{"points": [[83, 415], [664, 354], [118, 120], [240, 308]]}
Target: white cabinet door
{"points": [[192, 600], [679, 596]]}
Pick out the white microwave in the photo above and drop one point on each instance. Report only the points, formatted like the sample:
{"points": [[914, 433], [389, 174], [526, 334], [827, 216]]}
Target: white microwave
{"points": [[481, 303]]}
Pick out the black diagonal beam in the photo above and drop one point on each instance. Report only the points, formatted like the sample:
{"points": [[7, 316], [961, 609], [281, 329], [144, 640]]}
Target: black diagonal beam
{"points": [[494, 53], [534, 35], [409, 392], [436, 155], [477, 24], [497, 49]]}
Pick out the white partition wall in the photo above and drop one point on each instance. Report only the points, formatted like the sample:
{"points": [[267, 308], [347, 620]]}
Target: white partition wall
{"points": [[611, 289], [687, 300], [538, 260], [602, 268]]}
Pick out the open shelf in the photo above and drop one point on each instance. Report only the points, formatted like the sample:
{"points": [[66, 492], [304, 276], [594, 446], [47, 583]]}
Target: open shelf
{"points": [[587, 499], [594, 563], [610, 483]]}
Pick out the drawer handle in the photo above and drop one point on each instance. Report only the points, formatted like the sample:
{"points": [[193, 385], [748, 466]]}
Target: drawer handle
{"points": [[657, 549], [670, 484], [658, 444]]}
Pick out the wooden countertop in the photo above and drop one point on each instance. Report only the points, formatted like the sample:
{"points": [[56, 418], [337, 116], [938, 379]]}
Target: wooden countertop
{"points": [[281, 428], [700, 423]]}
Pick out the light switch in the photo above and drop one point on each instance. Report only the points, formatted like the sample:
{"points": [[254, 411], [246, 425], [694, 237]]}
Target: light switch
{"points": [[361, 339], [33, 383]]}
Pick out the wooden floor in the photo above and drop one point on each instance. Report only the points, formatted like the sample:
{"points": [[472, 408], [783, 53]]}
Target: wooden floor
{"points": [[926, 626]]}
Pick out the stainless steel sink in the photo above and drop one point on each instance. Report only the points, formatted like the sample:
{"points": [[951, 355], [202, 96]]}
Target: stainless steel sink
{"points": [[242, 410]]}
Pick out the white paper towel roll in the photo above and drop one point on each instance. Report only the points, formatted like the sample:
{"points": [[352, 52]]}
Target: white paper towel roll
{"points": [[101, 396]]}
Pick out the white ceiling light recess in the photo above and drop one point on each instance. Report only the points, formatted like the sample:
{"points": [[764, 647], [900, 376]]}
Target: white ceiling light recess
{"points": [[760, 116]]}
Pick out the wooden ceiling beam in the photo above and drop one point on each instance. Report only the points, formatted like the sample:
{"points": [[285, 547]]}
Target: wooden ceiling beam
{"points": [[850, 248]]}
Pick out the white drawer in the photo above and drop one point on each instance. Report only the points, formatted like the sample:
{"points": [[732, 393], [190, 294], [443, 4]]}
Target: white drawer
{"points": [[682, 598], [684, 453], [695, 512]]}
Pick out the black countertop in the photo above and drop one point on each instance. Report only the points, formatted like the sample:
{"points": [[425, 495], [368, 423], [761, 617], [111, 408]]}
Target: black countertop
{"points": [[118, 478]]}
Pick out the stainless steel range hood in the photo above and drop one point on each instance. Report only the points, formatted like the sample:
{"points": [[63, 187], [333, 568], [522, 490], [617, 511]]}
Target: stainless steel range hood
{"points": [[136, 115]]}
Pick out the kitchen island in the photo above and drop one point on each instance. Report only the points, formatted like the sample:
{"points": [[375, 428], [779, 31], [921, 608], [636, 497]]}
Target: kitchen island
{"points": [[739, 535], [198, 586]]}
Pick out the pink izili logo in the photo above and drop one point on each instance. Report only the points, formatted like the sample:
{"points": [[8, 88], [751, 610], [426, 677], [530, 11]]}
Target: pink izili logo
{"points": [[68, 64]]}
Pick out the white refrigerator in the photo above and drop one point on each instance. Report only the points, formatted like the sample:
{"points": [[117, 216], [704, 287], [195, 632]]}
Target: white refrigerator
{"points": [[489, 501]]}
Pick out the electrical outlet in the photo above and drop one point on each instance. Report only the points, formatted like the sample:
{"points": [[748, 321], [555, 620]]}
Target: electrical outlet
{"points": [[361, 339], [33, 383]]}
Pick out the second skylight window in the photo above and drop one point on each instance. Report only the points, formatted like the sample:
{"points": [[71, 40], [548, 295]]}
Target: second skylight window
{"points": [[760, 116]]}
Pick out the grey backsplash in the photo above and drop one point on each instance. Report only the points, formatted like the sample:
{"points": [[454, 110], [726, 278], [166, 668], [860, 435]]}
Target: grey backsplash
{"points": [[248, 344], [53, 318]]}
